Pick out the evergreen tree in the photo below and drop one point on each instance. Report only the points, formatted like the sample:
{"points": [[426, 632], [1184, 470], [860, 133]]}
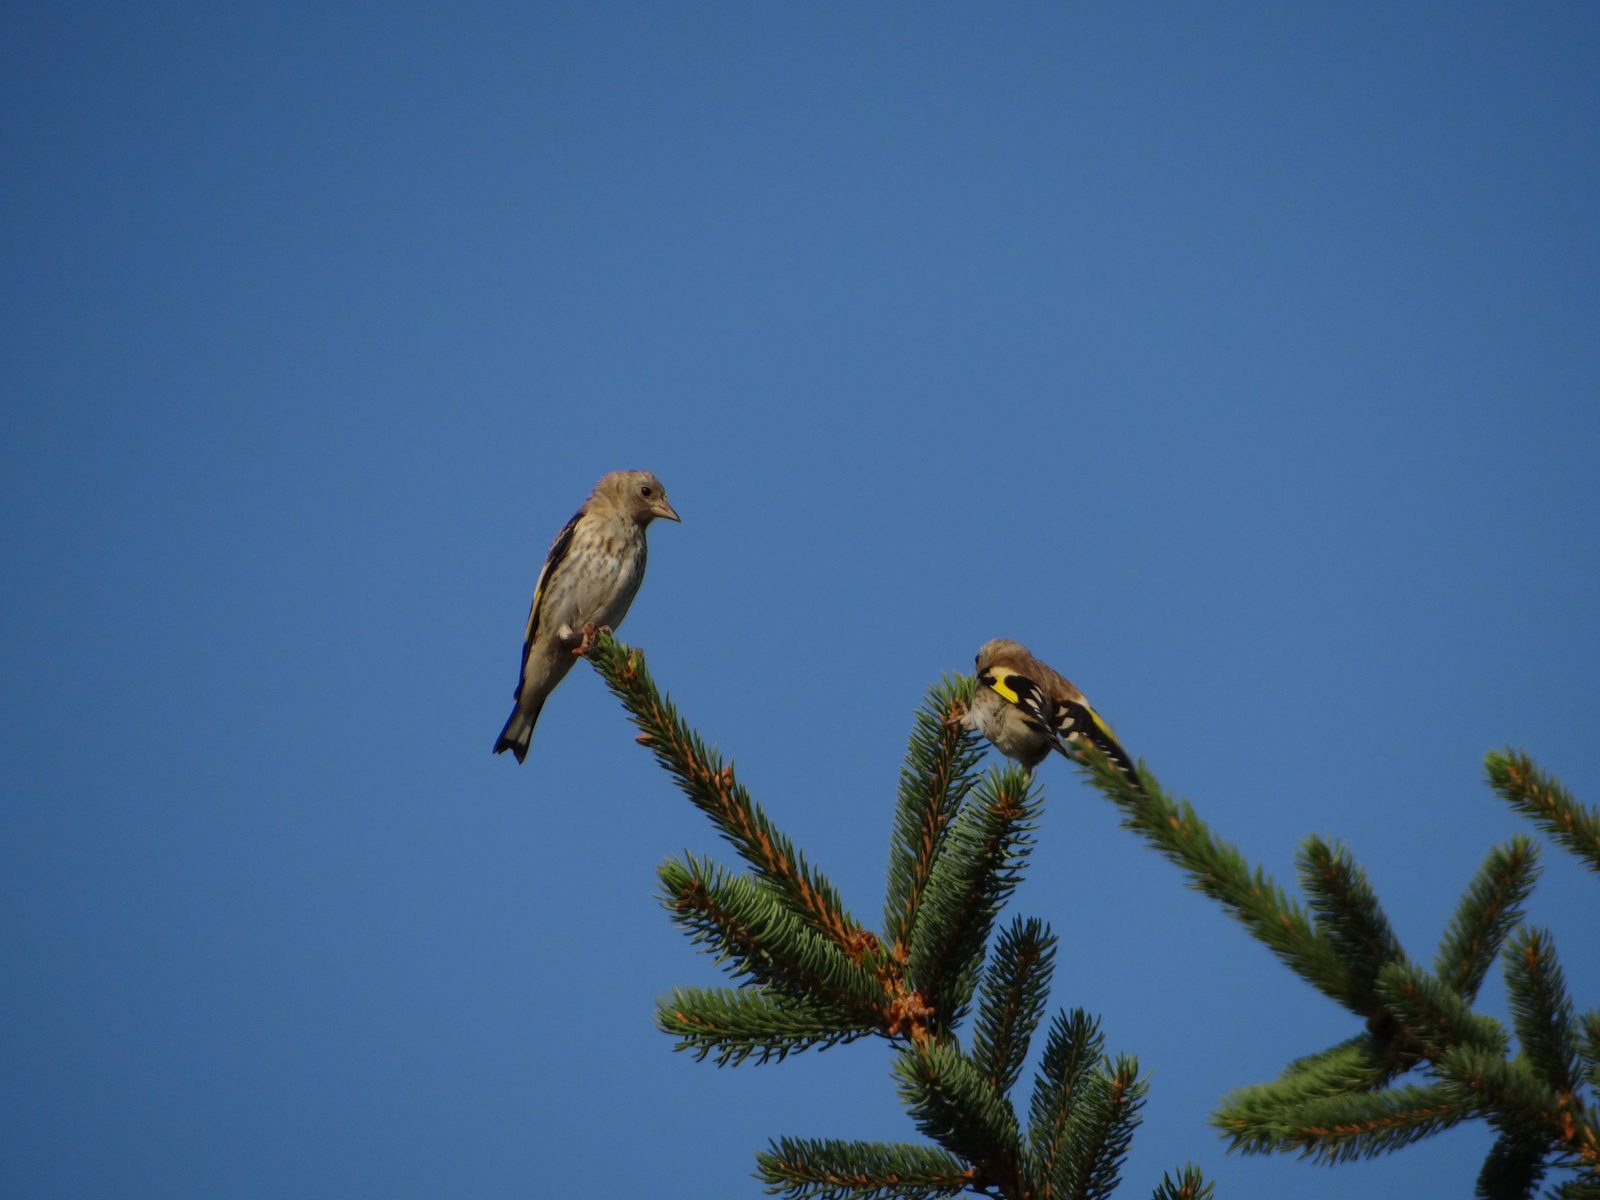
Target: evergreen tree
{"points": [[809, 975]]}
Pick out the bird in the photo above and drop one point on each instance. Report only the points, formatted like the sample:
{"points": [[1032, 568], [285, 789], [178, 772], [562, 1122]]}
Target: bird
{"points": [[1026, 709], [589, 578]]}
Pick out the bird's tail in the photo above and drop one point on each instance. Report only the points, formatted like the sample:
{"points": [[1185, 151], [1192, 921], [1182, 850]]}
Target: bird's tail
{"points": [[1112, 749], [519, 730], [1084, 722]]}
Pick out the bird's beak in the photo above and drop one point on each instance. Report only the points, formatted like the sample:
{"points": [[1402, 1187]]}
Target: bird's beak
{"points": [[662, 509]]}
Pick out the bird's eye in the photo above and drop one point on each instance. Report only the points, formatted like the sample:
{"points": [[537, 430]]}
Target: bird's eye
{"points": [[645, 490]]}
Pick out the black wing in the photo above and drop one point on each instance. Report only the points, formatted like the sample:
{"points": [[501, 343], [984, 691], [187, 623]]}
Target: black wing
{"points": [[552, 560], [1073, 720]]}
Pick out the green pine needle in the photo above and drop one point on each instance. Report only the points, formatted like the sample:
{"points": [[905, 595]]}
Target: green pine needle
{"points": [[1488, 912], [1098, 1132], [937, 775], [826, 1169], [1534, 794], [952, 1103], [1355, 1066], [1589, 1048], [1541, 1013], [730, 1025], [974, 875], [1434, 1015], [711, 787], [1349, 914], [1073, 1049], [1011, 1002], [1585, 1187], [1519, 1102], [1189, 1185], [1513, 1169], [1339, 1128], [743, 921], [1217, 869]]}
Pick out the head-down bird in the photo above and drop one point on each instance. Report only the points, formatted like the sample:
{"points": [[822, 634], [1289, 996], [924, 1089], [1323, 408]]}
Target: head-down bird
{"points": [[1026, 709]]}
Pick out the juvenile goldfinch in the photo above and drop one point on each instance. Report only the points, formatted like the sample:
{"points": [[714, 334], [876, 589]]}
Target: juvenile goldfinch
{"points": [[588, 580], [1026, 709]]}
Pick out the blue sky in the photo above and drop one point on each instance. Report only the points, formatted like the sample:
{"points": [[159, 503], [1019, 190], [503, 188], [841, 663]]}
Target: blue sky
{"points": [[1241, 359]]}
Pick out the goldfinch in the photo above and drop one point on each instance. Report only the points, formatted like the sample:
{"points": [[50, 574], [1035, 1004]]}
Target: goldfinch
{"points": [[588, 580], [1026, 709]]}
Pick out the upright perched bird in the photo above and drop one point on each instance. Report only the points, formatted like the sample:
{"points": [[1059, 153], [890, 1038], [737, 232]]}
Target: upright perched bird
{"points": [[588, 580], [1027, 710]]}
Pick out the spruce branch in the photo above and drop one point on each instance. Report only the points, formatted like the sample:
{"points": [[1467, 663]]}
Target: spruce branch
{"points": [[827, 1169], [813, 978], [1350, 953], [1589, 1048], [745, 923], [1507, 1092], [1584, 1187], [1189, 1185], [1554, 809], [1217, 869], [1489, 910], [1328, 1106], [976, 872], [1098, 1132], [1349, 914], [730, 1025], [1011, 1002], [711, 787], [1433, 1016], [952, 1103], [1541, 1013], [1073, 1048], [1251, 1114], [1340, 1127], [1513, 1169], [1357, 1064], [939, 771], [1535, 1099]]}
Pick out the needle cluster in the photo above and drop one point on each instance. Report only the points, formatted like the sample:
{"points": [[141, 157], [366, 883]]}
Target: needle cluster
{"points": [[1344, 1102]]}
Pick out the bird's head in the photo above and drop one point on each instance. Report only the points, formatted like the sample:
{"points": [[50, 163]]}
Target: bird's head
{"points": [[1000, 652], [638, 494]]}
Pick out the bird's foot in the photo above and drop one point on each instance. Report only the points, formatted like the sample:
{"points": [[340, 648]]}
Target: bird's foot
{"points": [[591, 634], [957, 716]]}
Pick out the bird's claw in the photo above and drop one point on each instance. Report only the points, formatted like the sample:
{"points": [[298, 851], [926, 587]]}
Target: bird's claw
{"points": [[591, 634]]}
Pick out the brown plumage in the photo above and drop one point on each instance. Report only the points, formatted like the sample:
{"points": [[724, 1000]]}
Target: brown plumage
{"points": [[589, 578], [1027, 709]]}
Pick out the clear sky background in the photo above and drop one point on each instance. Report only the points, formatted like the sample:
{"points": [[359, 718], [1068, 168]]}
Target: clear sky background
{"points": [[1241, 359]]}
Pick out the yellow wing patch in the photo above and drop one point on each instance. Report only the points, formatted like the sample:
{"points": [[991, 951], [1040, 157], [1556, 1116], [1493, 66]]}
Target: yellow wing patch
{"points": [[1100, 721], [1000, 682], [533, 609]]}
